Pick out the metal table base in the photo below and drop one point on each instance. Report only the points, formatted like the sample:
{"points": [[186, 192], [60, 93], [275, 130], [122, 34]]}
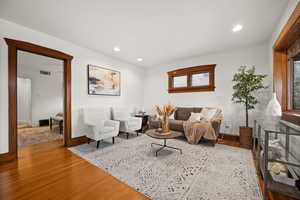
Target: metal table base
{"points": [[164, 146]]}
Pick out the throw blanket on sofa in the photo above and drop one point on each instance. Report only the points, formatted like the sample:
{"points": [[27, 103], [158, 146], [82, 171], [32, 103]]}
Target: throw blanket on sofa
{"points": [[194, 131]]}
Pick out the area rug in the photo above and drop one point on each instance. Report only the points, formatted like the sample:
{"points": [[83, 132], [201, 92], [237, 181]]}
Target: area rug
{"points": [[35, 135], [201, 172]]}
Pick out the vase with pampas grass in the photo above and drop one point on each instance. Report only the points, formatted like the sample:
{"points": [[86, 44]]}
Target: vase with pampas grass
{"points": [[165, 112]]}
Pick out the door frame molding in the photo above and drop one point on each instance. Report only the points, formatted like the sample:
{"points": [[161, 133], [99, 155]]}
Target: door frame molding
{"points": [[13, 47]]}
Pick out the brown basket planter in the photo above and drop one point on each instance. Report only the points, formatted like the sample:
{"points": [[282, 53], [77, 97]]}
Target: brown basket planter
{"points": [[246, 137]]}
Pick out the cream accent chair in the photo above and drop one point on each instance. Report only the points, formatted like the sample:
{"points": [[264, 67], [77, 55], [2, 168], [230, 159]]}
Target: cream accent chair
{"points": [[128, 123], [99, 124]]}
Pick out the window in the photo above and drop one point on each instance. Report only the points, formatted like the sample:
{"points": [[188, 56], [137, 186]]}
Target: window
{"points": [[200, 79], [295, 85], [293, 77], [192, 79], [180, 81]]}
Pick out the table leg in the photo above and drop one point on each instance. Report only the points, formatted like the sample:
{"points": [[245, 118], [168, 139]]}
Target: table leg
{"points": [[50, 122], [165, 146], [60, 127]]}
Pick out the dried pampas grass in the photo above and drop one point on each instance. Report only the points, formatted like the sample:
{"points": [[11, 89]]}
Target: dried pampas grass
{"points": [[165, 112]]}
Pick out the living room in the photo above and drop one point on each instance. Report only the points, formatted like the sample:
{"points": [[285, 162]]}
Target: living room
{"points": [[152, 103]]}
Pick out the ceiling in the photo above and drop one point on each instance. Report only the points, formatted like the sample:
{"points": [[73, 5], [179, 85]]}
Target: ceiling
{"points": [[158, 31], [29, 62]]}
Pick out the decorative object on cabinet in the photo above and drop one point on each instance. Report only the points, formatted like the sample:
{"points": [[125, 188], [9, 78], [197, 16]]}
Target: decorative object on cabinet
{"points": [[273, 113]]}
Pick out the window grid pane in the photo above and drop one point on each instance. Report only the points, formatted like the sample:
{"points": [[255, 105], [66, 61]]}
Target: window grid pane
{"points": [[201, 79], [296, 85], [180, 81]]}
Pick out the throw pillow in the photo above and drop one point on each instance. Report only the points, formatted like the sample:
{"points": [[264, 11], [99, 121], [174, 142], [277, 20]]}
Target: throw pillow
{"points": [[172, 116], [160, 117], [195, 117], [208, 114]]}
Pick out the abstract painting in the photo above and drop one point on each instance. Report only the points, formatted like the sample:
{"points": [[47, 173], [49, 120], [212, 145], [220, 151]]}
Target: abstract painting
{"points": [[102, 81]]}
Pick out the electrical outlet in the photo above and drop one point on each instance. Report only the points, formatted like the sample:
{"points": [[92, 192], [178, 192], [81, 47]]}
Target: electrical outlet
{"points": [[227, 125]]}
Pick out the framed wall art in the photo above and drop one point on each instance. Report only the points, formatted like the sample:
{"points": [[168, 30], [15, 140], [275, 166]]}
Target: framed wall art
{"points": [[103, 81]]}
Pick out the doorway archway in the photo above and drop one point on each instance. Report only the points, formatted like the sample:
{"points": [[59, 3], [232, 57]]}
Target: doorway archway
{"points": [[13, 47]]}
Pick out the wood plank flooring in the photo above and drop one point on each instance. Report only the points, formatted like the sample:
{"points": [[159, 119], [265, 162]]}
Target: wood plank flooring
{"points": [[50, 171]]}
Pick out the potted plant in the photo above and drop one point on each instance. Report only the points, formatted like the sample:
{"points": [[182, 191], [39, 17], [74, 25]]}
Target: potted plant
{"points": [[246, 82]]}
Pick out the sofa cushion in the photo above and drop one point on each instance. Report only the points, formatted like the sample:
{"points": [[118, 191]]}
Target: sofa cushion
{"points": [[195, 117], [183, 113], [197, 110], [108, 129], [176, 125], [155, 124]]}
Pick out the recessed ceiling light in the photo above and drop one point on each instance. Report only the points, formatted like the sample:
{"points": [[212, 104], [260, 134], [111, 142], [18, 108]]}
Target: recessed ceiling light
{"points": [[237, 28], [117, 49], [139, 59]]}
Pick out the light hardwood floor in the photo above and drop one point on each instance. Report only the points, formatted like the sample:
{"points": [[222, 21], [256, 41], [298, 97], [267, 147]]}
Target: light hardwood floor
{"points": [[50, 171]]}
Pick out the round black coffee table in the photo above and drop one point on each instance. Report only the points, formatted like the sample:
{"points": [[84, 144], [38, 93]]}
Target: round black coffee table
{"points": [[155, 134]]}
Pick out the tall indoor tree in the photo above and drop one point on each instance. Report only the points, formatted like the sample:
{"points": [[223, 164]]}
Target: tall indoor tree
{"points": [[246, 82]]}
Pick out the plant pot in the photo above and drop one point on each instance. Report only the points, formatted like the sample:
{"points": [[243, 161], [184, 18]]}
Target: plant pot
{"points": [[246, 137]]}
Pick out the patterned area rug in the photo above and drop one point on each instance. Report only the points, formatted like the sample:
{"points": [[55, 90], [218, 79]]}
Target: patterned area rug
{"points": [[30, 136], [201, 172]]}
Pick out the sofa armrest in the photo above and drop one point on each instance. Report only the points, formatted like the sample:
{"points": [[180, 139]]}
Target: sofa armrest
{"points": [[135, 122], [112, 123], [154, 122], [216, 124]]}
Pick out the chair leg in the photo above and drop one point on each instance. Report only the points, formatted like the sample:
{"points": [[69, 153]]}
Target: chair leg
{"points": [[98, 142], [89, 140], [113, 140], [127, 135], [137, 133]]}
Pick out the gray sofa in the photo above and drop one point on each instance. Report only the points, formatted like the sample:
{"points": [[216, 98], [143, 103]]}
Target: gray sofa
{"points": [[182, 114]]}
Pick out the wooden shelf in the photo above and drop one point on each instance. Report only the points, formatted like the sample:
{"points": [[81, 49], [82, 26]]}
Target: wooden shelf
{"points": [[274, 186], [270, 181], [282, 188]]}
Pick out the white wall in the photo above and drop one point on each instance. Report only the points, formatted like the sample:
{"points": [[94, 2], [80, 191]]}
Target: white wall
{"points": [[227, 64], [46, 92], [24, 101], [283, 20], [131, 76]]}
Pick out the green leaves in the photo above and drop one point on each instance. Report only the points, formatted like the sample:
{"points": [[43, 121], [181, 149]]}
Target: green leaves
{"points": [[245, 83]]}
